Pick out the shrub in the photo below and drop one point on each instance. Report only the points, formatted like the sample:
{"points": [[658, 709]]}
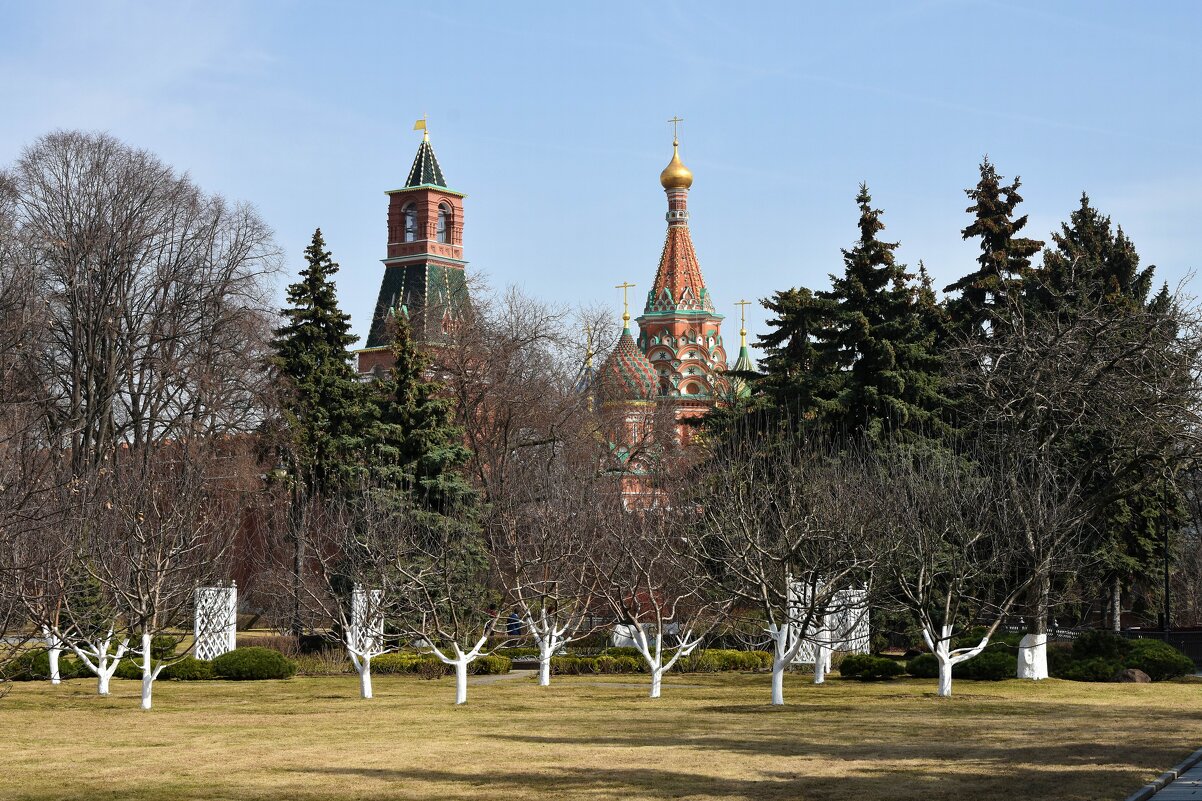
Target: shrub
{"points": [[1158, 659], [286, 644], [251, 664], [1100, 644], [326, 663], [923, 666], [188, 669], [430, 668], [573, 665], [162, 646], [853, 664], [623, 651], [517, 653], [128, 668], [617, 664], [35, 666], [992, 664], [1097, 668], [489, 665], [879, 668], [699, 662], [1060, 658]]}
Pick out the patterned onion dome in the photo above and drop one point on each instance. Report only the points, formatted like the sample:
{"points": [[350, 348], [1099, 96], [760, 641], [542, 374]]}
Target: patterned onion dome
{"points": [[626, 373]]}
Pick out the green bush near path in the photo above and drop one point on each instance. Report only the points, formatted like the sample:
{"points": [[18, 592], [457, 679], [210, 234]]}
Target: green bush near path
{"points": [[251, 664], [630, 660]]}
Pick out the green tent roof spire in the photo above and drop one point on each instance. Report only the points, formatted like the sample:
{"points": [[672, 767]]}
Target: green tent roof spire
{"points": [[425, 170]]}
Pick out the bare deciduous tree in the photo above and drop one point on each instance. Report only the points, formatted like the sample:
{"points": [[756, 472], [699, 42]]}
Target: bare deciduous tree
{"points": [[787, 531], [1044, 383]]}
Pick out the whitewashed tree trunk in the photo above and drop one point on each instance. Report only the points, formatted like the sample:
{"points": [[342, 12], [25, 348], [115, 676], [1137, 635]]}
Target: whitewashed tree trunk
{"points": [[822, 658], [546, 649], [461, 681], [149, 673], [945, 675], [54, 648], [362, 663], [98, 659], [365, 679], [548, 637], [778, 682], [947, 658], [1033, 648], [460, 662], [655, 657], [1033, 657], [784, 650], [657, 681]]}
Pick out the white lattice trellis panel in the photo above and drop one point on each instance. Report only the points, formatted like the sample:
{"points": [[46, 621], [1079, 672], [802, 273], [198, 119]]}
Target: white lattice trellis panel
{"points": [[843, 628], [367, 620], [216, 627]]}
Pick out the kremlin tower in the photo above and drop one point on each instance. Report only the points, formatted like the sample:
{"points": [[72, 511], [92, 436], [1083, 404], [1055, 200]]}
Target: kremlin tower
{"points": [[424, 268]]}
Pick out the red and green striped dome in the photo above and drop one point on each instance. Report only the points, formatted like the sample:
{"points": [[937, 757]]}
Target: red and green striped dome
{"points": [[626, 373]]}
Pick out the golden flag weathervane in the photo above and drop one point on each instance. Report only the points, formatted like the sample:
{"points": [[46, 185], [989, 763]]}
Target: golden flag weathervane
{"points": [[420, 125], [625, 285]]}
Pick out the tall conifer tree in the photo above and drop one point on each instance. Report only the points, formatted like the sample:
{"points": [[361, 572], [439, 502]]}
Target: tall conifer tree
{"points": [[1005, 259], [416, 448], [321, 398], [879, 342]]}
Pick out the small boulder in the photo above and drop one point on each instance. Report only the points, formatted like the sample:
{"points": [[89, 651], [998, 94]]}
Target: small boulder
{"points": [[1134, 676]]}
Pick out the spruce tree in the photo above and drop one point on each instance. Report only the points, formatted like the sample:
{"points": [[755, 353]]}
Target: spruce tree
{"points": [[416, 449], [878, 342], [321, 399], [1090, 266], [795, 378], [1005, 259]]}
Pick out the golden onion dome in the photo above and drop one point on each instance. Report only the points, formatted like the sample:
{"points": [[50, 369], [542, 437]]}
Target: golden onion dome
{"points": [[676, 175]]}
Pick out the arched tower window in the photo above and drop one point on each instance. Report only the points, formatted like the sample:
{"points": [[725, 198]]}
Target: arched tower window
{"points": [[410, 217], [444, 223]]}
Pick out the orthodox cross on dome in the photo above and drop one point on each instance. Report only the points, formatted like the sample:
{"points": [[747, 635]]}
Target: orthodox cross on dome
{"points": [[675, 121], [743, 304], [625, 285]]}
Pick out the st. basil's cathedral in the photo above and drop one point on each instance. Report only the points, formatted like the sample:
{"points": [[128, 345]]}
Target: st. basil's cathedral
{"points": [[677, 362]]}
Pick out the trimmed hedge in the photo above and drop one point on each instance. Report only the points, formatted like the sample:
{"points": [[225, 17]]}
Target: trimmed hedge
{"points": [[188, 669], [1159, 660], [1097, 668], [35, 666], [1101, 655], [923, 666], [408, 662], [870, 668], [629, 660], [992, 664], [253, 664]]}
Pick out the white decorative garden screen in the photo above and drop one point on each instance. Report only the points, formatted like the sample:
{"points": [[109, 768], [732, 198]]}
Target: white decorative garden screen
{"points": [[367, 619], [216, 620], [844, 628]]}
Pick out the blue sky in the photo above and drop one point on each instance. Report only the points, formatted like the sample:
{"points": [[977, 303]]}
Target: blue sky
{"points": [[552, 118]]}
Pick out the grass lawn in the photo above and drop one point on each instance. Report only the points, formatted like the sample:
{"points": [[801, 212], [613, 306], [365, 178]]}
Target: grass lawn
{"points": [[593, 737]]}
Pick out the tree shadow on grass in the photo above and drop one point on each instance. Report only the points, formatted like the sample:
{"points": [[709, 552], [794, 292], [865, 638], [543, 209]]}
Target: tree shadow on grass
{"points": [[897, 783]]}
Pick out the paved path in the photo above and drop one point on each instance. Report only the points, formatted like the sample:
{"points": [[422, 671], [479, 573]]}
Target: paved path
{"points": [[1186, 786], [495, 677], [1177, 784]]}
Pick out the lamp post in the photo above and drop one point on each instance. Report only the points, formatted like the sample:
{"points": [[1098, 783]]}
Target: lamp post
{"points": [[1164, 533]]}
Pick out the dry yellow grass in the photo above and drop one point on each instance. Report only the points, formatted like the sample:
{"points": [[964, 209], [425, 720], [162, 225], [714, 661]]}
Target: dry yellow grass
{"points": [[593, 738]]}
